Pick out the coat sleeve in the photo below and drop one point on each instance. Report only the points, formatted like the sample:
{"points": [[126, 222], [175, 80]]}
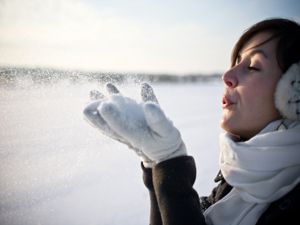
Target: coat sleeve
{"points": [[155, 218], [177, 201]]}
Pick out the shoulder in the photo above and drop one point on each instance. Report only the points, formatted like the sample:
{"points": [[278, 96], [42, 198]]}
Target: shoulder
{"points": [[283, 210]]}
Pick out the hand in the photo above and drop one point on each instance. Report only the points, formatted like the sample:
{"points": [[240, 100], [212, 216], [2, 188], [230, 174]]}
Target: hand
{"points": [[142, 126]]}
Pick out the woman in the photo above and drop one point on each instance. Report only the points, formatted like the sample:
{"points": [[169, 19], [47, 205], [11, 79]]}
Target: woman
{"points": [[259, 176]]}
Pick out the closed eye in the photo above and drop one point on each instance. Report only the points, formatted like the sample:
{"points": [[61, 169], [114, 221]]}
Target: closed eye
{"points": [[253, 68]]}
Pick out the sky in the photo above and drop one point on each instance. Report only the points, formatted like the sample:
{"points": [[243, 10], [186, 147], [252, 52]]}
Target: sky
{"points": [[148, 36]]}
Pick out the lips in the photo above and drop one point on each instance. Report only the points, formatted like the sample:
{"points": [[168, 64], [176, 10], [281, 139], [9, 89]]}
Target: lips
{"points": [[227, 102]]}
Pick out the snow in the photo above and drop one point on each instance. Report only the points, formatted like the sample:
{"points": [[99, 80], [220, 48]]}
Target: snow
{"points": [[57, 169]]}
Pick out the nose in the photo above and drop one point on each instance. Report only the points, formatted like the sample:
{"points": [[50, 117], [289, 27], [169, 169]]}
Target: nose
{"points": [[229, 78]]}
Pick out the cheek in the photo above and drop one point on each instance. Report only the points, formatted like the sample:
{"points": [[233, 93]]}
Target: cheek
{"points": [[254, 99], [258, 106], [257, 100]]}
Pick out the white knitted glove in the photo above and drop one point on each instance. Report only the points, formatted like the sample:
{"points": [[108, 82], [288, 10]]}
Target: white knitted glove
{"points": [[142, 126]]}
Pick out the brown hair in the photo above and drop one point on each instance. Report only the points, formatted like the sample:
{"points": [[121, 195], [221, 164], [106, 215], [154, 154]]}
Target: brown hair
{"points": [[288, 34]]}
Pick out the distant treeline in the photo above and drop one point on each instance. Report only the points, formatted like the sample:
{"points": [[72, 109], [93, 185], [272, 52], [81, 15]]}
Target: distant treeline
{"points": [[11, 75]]}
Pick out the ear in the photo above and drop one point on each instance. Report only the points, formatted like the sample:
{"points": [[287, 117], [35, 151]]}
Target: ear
{"points": [[287, 94]]}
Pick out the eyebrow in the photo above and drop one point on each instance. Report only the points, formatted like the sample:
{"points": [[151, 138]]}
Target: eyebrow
{"points": [[258, 51], [254, 52]]}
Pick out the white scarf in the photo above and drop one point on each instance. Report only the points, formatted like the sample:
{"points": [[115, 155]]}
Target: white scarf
{"points": [[261, 170]]}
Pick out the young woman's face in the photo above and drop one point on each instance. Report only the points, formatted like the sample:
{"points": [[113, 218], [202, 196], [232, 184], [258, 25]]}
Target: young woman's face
{"points": [[248, 101]]}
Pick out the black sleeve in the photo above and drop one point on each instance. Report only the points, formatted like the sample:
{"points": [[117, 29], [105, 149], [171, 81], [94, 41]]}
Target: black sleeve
{"points": [[155, 218], [177, 200]]}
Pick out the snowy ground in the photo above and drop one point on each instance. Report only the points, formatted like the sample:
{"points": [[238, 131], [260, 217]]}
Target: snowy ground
{"points": [[57, 170]]}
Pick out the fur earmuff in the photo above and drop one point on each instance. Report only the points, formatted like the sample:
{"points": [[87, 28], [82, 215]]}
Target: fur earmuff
{"points": [[287, 94]]}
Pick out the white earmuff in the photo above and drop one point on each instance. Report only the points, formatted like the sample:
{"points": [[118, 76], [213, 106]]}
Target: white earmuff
{"points": [[287, 93]]}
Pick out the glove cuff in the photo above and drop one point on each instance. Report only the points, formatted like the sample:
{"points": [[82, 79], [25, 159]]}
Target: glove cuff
{"points": [[148, 163], [181, 151]]}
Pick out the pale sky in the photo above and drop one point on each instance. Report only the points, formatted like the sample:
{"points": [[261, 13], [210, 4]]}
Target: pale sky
{"points": [[155, 36]]}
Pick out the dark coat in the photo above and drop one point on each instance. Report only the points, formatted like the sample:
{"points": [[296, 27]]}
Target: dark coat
{"points": [[175, 202]]}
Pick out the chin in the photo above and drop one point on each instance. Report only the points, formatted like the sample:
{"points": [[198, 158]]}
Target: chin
{"points": [[230, 130], [232, 124], [235, 131], [225, 124]]}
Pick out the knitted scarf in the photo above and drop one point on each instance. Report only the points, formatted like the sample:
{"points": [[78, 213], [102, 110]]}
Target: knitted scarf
{"points": [[261, 170]]}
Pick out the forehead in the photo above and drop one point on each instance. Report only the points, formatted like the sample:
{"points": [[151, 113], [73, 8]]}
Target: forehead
{"points": [[257, 41]]}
